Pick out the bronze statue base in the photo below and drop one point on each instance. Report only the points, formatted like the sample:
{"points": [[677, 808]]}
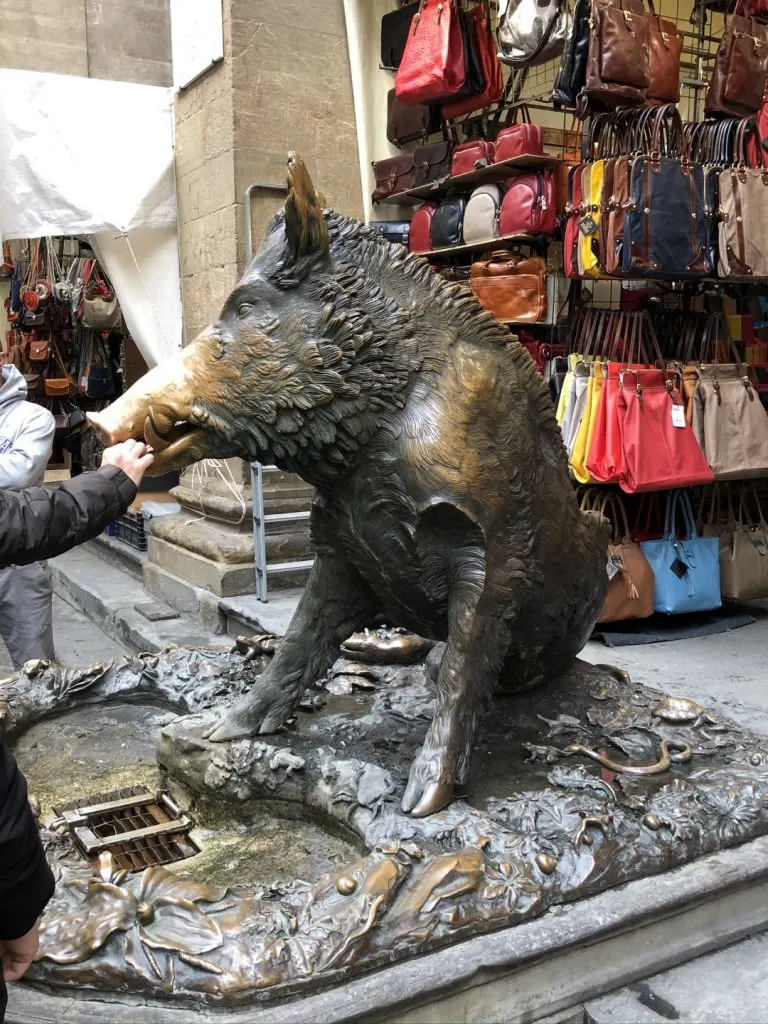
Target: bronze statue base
{"points": [[577, 788]]}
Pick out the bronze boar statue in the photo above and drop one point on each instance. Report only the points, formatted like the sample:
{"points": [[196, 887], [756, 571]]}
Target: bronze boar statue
{"points": [[442, 496]]}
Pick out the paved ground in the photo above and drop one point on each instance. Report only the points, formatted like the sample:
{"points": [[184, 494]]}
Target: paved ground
{"points": [[727, 672]]}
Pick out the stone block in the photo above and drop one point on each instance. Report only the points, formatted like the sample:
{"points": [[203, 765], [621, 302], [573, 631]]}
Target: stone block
{"points": [[130, 41], [185, 597], [48, 36], [221, 578], [218, 541]]}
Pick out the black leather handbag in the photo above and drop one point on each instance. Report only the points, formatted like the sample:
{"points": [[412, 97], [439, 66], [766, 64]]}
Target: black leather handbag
{"points": [[448, 222], [395, 27], [573, 64], [431, 163], [407, 122]]}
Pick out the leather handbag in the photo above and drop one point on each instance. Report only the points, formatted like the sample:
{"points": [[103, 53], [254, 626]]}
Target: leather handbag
{"points": [[432, 69], [393, 175], [631, 583], [479, 18], [618, 70], [471, 156], [665, 234], [573, 66], [686, 570], [431, 163], [511, 287], [406, 123], [740, 68], [395, 26], [519, 139], [528, 206], [419, 239], [743, 550], [396, 231], [39, 350], [447, 222], [34, 382], [474, 81], [531, 32], [743, 214], [664, 48], [481, 217]]}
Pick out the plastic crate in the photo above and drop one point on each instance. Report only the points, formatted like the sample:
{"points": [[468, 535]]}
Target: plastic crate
{"points": [[131, 529]]}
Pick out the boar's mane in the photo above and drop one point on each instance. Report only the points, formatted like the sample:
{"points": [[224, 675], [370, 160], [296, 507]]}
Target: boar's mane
{"points": [[383, 320]]}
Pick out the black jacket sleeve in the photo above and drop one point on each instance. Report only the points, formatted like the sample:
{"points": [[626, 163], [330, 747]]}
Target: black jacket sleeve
{"points": [[26, 881], [36, 523], [40, 522]]}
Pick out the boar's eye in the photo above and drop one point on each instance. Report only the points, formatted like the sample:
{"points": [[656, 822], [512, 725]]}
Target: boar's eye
{"points": [[244, 310]]}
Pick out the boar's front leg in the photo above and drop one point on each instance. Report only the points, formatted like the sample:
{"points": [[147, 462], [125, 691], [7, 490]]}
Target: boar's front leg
{"points": [[453, 556], [335, 604]]}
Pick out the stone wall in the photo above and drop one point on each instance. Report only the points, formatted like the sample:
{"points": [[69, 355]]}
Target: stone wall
{"points": [[120, 40]]}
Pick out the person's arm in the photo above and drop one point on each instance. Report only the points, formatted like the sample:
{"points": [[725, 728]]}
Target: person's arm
{"points": [[40, 522], [21, 465], [26, 881]]}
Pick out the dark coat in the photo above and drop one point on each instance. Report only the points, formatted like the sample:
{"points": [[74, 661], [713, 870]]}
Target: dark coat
{"points": [[37, 523]]}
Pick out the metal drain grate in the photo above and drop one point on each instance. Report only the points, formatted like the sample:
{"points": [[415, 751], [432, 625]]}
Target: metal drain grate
{"points": [[139, 828]]}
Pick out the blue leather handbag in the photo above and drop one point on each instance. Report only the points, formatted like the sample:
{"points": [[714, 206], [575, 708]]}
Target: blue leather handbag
{"points": [[686, 571]]}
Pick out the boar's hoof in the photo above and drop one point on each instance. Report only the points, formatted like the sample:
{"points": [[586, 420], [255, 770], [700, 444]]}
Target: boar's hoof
{"points": [[260, 712], [427, 790]]}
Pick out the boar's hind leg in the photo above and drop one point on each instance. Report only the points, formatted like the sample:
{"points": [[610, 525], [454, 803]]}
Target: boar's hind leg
{"points": [[335, 604], [452, 553]]}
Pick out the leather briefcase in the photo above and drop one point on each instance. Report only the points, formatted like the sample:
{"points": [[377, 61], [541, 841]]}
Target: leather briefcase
{"points": [[447, 223], [618, 70], [394, 34], [406, 122], [419, 239], [431, 163], [511, 287], [393, 175], [470, 156], [528, 207], [432, 69]]}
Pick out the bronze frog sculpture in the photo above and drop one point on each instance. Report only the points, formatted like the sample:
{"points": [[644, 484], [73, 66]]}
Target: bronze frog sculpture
{"points": [[442, 499]]}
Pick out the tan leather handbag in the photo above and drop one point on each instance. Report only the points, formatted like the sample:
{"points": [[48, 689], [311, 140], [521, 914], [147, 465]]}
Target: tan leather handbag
{"points": [[511, 287], [630, 590], [743, 540], [729, 422]]}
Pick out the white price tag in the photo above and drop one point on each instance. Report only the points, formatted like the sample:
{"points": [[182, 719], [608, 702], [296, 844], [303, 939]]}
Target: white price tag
{"points": [[678, 416]]}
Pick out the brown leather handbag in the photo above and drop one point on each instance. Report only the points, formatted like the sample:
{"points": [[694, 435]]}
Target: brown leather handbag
{"points": [[510, 286], [393, 175], [740, 69], [407, 123], [431, 163], [664, 49], [630, 590], [618, 68]]}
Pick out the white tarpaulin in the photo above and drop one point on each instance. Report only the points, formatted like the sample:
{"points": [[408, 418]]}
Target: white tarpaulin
{"points": [[82, 156]]}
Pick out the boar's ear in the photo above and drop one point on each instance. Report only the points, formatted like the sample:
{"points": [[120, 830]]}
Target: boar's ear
{"points": [[305, 225]]}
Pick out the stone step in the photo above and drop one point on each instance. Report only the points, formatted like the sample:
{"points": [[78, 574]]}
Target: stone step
{"points": [[282, 506], [246, 615]]}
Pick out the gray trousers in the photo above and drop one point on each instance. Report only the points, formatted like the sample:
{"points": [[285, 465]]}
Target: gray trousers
{"points": [[26, 612]]}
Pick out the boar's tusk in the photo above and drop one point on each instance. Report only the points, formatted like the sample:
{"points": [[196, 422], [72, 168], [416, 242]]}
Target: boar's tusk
{"points": [[152, 437]]}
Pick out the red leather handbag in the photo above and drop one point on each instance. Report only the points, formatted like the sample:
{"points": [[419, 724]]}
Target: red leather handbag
{"points": [[433, 66], [659, 453], [574, 212], [519, 139], [470, 156], [480, 20], [421, 227], [528, 206]]}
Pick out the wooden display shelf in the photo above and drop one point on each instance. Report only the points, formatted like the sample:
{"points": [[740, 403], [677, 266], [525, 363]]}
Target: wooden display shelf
{"points": [[505, 241], [485, 176]]}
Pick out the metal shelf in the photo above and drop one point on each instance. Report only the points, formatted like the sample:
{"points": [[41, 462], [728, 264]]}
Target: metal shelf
{"points": [[492, 174]]}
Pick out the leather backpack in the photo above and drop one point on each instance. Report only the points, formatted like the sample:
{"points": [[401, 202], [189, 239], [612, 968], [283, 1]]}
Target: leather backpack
{"points": [[406, 123], [395, 26], [528, 207], [421, 226], [447, 223], [431, 163], [481, 217]]}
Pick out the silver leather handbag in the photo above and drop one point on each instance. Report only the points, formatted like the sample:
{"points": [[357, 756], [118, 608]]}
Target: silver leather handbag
{"points": [[531, 32], [481, 217]]}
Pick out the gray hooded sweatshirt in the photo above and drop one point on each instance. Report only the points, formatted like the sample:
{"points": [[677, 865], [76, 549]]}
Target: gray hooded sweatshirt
{"points": [[26, 433]]}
